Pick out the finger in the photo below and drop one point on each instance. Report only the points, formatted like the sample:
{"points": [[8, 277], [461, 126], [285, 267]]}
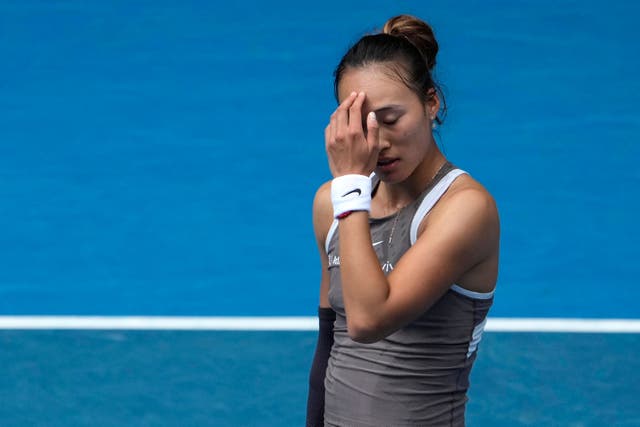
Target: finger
{"points": [[332, 128], [327, 136], [342, 116], [355, 114], [328, 147], [373, 130]]}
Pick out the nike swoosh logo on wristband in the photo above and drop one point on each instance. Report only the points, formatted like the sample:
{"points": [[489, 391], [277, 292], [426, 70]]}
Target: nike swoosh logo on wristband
{"points": [[357, 190]]}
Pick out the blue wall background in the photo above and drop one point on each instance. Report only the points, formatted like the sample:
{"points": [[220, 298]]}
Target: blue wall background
{"points": [[160, 158]]}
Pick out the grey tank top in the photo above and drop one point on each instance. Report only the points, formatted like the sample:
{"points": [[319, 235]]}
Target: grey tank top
{"points": [[419, 375]]}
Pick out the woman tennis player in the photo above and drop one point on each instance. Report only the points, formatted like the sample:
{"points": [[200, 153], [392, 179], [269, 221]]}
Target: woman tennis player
{"points": [[408, 244]]}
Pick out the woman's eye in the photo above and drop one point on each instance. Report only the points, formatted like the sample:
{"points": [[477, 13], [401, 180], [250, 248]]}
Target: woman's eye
{"points": [[390, 121]]}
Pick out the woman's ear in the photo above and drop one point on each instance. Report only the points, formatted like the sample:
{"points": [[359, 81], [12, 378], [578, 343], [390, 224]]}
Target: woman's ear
{"points": [[432, 105]]}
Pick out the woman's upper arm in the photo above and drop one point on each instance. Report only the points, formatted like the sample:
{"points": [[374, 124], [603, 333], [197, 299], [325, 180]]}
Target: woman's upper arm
{"points": [[322, 220], [462, 233]]}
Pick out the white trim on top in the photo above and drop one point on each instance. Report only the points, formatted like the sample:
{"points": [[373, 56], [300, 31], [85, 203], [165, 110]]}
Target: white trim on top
{"points": [[472, 294], [430, 200], [500, 324], [476, 337], [332, 230]]}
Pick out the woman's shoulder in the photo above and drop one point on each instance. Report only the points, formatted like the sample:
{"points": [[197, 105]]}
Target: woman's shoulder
{"points": [[466, 186], [322, 211], [322, 200], [466, 197], [466, 194]]}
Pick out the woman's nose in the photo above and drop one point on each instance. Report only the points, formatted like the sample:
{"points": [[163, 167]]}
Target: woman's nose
{"points": [[384, 142]]}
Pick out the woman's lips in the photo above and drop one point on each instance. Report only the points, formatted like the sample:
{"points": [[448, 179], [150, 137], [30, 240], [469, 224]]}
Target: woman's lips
{"points": [[386, 165]]}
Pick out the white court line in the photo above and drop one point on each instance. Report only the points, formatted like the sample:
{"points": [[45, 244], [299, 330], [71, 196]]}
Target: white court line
{"points": [[504, 324], [499, 324], [160, 323]]}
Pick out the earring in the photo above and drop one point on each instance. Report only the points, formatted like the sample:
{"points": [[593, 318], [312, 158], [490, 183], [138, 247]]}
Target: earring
{"points": [[433, 123]]}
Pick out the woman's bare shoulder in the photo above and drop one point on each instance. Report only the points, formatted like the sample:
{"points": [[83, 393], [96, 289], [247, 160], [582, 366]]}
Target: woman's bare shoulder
{"points": [[322, 211], [469, 192], [465, 196]]}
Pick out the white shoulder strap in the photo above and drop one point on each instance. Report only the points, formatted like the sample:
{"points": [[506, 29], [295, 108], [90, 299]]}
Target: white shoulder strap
{"points": [[330, 234], [431, 199]]}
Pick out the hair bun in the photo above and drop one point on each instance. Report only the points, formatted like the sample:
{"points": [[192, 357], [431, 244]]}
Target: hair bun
{"points": [[417, 32]]}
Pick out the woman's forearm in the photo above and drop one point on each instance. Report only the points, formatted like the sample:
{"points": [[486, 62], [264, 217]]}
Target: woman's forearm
{"points": [[364, 285]]}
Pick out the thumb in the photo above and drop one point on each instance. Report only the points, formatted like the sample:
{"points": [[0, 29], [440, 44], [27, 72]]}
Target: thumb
{"points": [[373, 131]]}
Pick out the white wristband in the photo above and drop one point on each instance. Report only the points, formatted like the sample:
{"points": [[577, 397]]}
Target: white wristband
{"points": [[350, 193]]}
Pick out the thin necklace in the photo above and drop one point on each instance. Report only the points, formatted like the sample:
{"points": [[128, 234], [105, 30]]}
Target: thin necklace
{"points": [[388, 266]]}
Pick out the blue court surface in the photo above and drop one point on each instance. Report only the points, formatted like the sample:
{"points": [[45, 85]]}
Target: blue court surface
{"points": [[159, 158], [163, 378]]}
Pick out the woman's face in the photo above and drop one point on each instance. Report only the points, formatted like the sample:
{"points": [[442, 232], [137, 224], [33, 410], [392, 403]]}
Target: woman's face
{"points": [[404, 121]]}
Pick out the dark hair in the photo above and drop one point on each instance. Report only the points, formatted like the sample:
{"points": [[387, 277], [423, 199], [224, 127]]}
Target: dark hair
{"points": [[407, 47]]}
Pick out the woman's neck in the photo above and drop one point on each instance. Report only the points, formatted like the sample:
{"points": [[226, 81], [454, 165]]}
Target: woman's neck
{"points": [[396, 196]]}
